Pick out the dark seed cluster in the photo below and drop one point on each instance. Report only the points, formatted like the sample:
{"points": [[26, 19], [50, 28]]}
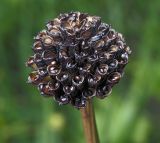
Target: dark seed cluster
{"points": [[77, 57]]}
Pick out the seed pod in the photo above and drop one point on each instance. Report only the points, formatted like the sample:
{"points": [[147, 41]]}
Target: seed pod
{"points": [[34, 78], [49, 56], [113, 64], [69, 90], [93, 58], [30, 63], [78, 102], [42, 72], [47, 41], [78, 81], [37, 47], [63, 55], [54, 86], [102, 69], [103, 91], [80, 57], [71, 65], [39, 61], [53, 69], [105, 56], [113, 49], [89, 93], [63, 78], [123, 59], [94, 80], [45, 90], [62, 99], [114, 77], [85, 69], [77, 57]]}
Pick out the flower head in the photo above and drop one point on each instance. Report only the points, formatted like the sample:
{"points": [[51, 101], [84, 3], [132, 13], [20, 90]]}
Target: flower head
{"points": [[77, 57]]}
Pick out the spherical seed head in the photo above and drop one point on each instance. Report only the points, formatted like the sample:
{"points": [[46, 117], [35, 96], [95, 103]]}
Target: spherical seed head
{"points": [[77, 57]]}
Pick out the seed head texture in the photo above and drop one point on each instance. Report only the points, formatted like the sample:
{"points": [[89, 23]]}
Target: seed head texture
{"points": [[77, 57]]}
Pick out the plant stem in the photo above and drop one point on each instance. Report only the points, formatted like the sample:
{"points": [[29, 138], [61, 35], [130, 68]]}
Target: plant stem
{"points": [[89, 123]]}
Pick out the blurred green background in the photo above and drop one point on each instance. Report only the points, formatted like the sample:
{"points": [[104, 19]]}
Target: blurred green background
{"points": [[130, 114]]}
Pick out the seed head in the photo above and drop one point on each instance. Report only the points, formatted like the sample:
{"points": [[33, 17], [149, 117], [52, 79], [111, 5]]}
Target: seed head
{"points": [[77, 57]]}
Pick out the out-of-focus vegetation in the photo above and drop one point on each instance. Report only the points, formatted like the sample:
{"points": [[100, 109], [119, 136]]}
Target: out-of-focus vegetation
{"points": [[130, 114]]}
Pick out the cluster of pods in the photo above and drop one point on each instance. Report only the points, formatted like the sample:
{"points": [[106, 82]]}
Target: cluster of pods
{"points": [[77, 57]]}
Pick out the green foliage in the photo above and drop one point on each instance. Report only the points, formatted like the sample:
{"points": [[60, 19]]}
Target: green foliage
{"points": [[131, 114]]}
